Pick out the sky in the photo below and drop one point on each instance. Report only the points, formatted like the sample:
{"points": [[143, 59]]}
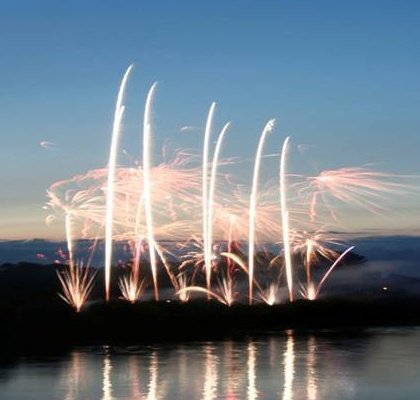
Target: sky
{"points": [[340, 77]]}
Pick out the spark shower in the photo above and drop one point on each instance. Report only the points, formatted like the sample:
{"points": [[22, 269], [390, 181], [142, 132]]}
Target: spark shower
{"points": [[185, 219]]}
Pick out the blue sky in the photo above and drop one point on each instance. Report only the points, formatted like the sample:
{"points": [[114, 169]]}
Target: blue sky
{"points": [[339, 75]]}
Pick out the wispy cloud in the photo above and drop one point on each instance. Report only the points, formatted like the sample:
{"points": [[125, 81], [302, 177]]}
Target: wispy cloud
{"points": [[189, 128], [47, 145]]}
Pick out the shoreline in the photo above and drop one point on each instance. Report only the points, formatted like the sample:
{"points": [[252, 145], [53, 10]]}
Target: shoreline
{"points": [[40, 326]]}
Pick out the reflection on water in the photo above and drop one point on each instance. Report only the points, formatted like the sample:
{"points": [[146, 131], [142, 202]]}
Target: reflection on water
{"points": [[252, 376], [311, 387], [210, 374], [106, 380], [289, 367], [233, 357], [133, 376], [286, 367], [74, 377], [152, 393]]}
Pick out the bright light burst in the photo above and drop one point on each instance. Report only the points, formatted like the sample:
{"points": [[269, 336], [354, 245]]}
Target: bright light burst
{"points": [[184, 218], [313, 245], [77, 283], [131, 287], [271, 295], [184, 295]]}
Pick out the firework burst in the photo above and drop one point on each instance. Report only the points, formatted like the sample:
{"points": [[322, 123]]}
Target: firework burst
{"points": [[354, 186], [77, 283], [132, 287], [206, 230]]}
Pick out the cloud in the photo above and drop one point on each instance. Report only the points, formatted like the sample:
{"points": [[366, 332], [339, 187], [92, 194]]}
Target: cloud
{"points": [[47, 145], [188, 128]]}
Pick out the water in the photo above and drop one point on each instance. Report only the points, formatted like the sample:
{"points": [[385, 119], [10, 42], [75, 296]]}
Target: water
{"points": [[373, 364]]}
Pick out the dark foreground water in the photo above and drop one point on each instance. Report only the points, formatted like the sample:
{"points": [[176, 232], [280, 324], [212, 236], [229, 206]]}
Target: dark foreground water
{"points": [[370, 364]]}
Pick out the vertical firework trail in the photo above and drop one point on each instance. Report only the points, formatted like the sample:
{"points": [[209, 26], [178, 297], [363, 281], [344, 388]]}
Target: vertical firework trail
{"points": [[69, 240], [147, 132], [229, 246], [285, 220], [213, 177], [109, 218], [253, 205], [309, 250], [207, 247]]}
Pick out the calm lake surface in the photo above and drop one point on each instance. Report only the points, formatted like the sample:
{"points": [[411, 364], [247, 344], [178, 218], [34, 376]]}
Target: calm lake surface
{"points": [[369, 364]]}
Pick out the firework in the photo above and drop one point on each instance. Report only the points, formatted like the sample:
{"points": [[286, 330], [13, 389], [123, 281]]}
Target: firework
{"points": [[199, 289], [205, 199], [311, 292], [354, 186], [131, 285], [285, 220], [227, 289], [77, 283], [210, 205], [184, 295], [271, 295], [313, 247], [131, 288], [253, 207], [207, 230], [109, 220], [76, 280], [147, 188]]}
